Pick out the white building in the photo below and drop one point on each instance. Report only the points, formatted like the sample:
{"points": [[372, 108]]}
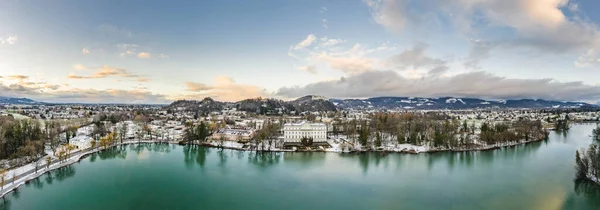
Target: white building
{"points": [[293, 132]]}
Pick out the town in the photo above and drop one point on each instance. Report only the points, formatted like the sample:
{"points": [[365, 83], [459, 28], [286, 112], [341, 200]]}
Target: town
{"points": [[340, 130], [35, 136]]}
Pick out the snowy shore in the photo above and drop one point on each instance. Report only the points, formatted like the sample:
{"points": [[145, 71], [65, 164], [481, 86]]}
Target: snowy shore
{"points": [[25, 176]]}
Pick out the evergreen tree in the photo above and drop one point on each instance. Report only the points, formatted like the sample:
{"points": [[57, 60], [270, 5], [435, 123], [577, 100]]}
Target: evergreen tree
{"points": [[596, 133], [581, 166]]}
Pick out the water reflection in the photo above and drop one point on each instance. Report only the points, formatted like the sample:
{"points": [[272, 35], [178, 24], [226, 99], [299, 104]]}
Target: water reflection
{"points": [[222, 154], [112, 153], [584, 190], [195, 154], [5, 204], [483, 158], [305, 159], [63, 173], [264, 159]]}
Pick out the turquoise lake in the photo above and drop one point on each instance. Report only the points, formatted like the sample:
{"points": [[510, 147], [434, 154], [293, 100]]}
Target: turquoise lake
{"points": [[160, 176]]}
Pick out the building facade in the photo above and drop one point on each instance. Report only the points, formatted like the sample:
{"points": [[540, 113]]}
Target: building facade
{"points": [[293, 132], [233, 134]]}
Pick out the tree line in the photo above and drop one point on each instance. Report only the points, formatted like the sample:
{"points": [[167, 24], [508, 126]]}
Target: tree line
{"points": [[596, 133], [20, 138], [437, 130], [587, 163]]}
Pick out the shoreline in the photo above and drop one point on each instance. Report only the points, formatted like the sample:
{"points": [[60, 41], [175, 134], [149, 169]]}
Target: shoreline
{"points": [[484, 148], [10, 187]]}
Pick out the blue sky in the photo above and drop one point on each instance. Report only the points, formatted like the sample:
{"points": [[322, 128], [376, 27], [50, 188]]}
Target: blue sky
{"points": [[159, 51]]}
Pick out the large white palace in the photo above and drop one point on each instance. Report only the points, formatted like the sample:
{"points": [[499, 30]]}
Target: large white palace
{"points": [[293, 132]]}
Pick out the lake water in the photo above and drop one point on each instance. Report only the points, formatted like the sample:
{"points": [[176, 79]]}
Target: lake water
{"points": [[151, 176]]}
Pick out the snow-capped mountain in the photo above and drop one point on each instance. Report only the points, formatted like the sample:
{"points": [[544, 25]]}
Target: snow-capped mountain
{"points": [[449, 103]]}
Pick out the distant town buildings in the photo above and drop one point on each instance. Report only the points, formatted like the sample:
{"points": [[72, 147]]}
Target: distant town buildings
{"points": [[233, 134]]}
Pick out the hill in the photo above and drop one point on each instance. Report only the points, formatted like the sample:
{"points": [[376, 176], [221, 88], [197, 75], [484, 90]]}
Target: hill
{"points": [[258, 105], [11, 100]]}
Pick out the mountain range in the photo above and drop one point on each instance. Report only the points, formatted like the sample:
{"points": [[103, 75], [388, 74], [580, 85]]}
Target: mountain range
{"points": [[449, 103], [320, 103]]}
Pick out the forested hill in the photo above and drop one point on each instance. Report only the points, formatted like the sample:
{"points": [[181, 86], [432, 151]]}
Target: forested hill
{"points": [[10, 100], [258, 105]]}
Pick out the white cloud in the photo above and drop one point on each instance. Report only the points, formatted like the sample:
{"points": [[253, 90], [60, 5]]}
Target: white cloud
{"points": [[9, 40], [306, 42], [309, 68], [85, 51], [323, 10], [330, 51], [328, 43], [127, 46], [127, 53], [324, 23], [163, 56], [588, 59]]}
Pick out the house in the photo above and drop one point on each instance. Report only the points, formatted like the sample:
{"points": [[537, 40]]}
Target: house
{"points": [[294, 132]]}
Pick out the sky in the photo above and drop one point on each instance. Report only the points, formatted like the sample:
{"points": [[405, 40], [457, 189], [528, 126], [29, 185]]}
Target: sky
{"points": [[146, 51]]}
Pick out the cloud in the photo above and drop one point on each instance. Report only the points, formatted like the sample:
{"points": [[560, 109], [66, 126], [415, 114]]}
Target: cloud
{"points": [[391, 14], [323, 10], [349, 65], [479, 51], [127, 46], [127, 53], [588, 59], [138, 51], [103, 72], [43, 91], [414, 58], [194, 86], [223, 88], [9, 40], [80, 67], [474, 84], [534, 24], [142, 79], [310, 69], [306, 42], [330, 51], [324, 23], [85, 51], [16, 77], [144, 55], [329, 43]]}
